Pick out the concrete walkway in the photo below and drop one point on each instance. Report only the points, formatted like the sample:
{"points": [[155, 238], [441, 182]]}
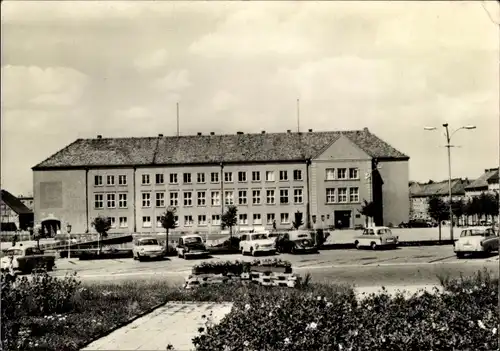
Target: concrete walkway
{"points": [[177, 323]]}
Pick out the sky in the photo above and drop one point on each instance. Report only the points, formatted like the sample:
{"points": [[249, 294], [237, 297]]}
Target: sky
{"points": [[78, 69]]}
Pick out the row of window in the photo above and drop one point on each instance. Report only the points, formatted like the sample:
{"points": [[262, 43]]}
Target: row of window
{"points": [[286, 196], [187, 178], [204, 221]]}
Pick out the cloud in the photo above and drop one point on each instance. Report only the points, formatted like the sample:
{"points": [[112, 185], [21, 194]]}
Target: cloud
{"points": [[174, 81], [224, 100], [33, 85], [153, 60], [135, 112]]}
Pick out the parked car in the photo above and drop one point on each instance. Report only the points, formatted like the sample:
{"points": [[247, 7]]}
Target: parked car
{"points": [[476, 240], [376, 237], [148, 248], [297, 241], [257, 243], [26, 259], [190, 246]]}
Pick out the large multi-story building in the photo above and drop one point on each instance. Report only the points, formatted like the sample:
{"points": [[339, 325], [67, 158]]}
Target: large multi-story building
{"points": [[268, 176]]}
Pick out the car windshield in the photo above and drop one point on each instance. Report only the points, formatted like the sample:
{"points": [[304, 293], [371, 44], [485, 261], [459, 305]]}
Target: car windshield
{"points": [[192, 240], [384, 232], [15, 252], [273, 235], [302, 236], [148, 242], [259, 237]]}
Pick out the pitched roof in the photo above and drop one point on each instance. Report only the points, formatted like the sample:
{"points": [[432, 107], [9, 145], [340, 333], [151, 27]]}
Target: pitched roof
{"points": [[203, 149], [14, 203], [488, 176], [438, 188]]}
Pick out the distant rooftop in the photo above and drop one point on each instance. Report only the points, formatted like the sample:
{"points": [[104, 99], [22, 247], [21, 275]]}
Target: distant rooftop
{"points": [[489, 176], [438, 188], [14, 203]]}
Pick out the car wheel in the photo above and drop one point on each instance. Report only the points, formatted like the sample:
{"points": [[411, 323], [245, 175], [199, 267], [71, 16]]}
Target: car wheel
{"points": [[252, 252], [358, 246], [242, 251], [373, 246], [292, 251]]}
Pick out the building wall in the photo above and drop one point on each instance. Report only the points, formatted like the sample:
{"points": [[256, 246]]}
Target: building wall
{"points": [[28, 202], [420, 205], [7, 215], [61, 194], [395, 191]]}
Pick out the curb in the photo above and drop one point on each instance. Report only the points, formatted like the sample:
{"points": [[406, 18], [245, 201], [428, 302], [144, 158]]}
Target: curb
{"points": [[343, 246]]}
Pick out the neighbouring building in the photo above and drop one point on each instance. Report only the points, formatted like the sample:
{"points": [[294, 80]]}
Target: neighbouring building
{"points": [[486, 183], [14, 214], [27, 201], [420, 193], [268, 176]]}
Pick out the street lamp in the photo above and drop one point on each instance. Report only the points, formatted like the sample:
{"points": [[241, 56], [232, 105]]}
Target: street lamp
{"points": [[68, 230], [448, 146]]}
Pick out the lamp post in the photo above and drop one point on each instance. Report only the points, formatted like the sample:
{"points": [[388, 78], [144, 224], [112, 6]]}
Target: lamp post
{"points": [[449, 146], [68, 230]]}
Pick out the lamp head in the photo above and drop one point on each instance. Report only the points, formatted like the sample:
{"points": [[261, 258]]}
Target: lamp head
{"points": [[445, 125], [429, 128], [469, 127]]}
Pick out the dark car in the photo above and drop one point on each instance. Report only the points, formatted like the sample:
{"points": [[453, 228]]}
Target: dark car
{"points": [[296, 242], [191, 246]]}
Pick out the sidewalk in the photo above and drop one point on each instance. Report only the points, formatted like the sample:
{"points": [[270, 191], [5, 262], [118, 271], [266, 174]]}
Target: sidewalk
{"points": [[177, 323]]}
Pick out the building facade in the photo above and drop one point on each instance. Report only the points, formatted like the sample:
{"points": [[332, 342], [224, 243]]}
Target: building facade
{"points": [[14, 214], [486, 183], [267, 176], [27, 201]]}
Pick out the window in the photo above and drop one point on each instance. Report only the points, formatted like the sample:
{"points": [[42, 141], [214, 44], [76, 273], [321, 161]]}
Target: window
{"points": [[187, 178], [341, 173], [173, 178], [214, 177], [110, 180], [330, 196], [111, 200], [257, 219], [145, 179], [228, 177], [146, 199], [353, 173], [330, 174], [188, 220], [242, 197], [188, 198], [174, 198], [342, 193], [123, 222], [159, 178], [297, 196], [269, 176], [297, 174], [160, 199], [122, 179], [202, 220], [215, 198], [113, 222], [283, 175], [216, 219], [285, 218], [176, 219], [98, 200], [242, 176], [146, 222], [229, 198], [97, 180], [201, 177], [256, 176], [243, 218], [256, 197], [122, 200], [270, 197], [202, 200], [283, 196], [354, 195], [270, 218]]}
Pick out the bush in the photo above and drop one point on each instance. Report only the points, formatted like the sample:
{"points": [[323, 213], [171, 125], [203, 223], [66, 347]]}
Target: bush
{"points": [[463, 317]]}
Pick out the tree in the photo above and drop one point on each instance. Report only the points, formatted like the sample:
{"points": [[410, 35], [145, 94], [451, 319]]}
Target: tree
{"points": [[368, 209], [228, 219], [488, 204], [438, 210], [298, 220], [102, 225], [168, 222], [458, 208]]}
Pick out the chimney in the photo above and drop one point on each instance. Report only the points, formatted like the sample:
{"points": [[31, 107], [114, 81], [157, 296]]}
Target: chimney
{"points": [[160, 135], [239, 133], [99, 136], [365, 129], [288, 131], [212, 133], [310, 130], [199, 133], [263, 132]]}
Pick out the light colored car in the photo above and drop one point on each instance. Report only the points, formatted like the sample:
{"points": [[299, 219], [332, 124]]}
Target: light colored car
{"points": [[254, 243], [476, 240], [376, 237], [147, 248], [26, 259], [190, 246]]}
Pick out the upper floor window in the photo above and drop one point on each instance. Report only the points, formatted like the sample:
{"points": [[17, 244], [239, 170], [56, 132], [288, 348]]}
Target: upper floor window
{"points": [[97, 180], [242, 197], [353, 173], [270, 200], [98, 201], [159, 178], [173, 178], [122, 200], [160, 199], [242, 176], [283, 175], [297, 196], [110, 180], [269, 176], [228, 177], [330, 174], [174, 198], [202, 201], [256, 176], [342, 194], [297, 174], [122, 179], [201, 177], [354, 195], [330, 196], [187, 178], [111, 200], [188, 198], [256, 197], [146, 179], [283, 196], [214, 177], [215, 198], [341, 173], [229, 198], [146, 199]]}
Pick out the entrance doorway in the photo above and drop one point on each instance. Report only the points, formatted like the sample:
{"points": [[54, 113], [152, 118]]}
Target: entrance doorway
{"points": [[342, 219]]}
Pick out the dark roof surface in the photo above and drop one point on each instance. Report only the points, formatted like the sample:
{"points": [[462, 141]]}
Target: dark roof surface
{"points": [[482, 182], [438, 188], [14, 203], [210, 149]]}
